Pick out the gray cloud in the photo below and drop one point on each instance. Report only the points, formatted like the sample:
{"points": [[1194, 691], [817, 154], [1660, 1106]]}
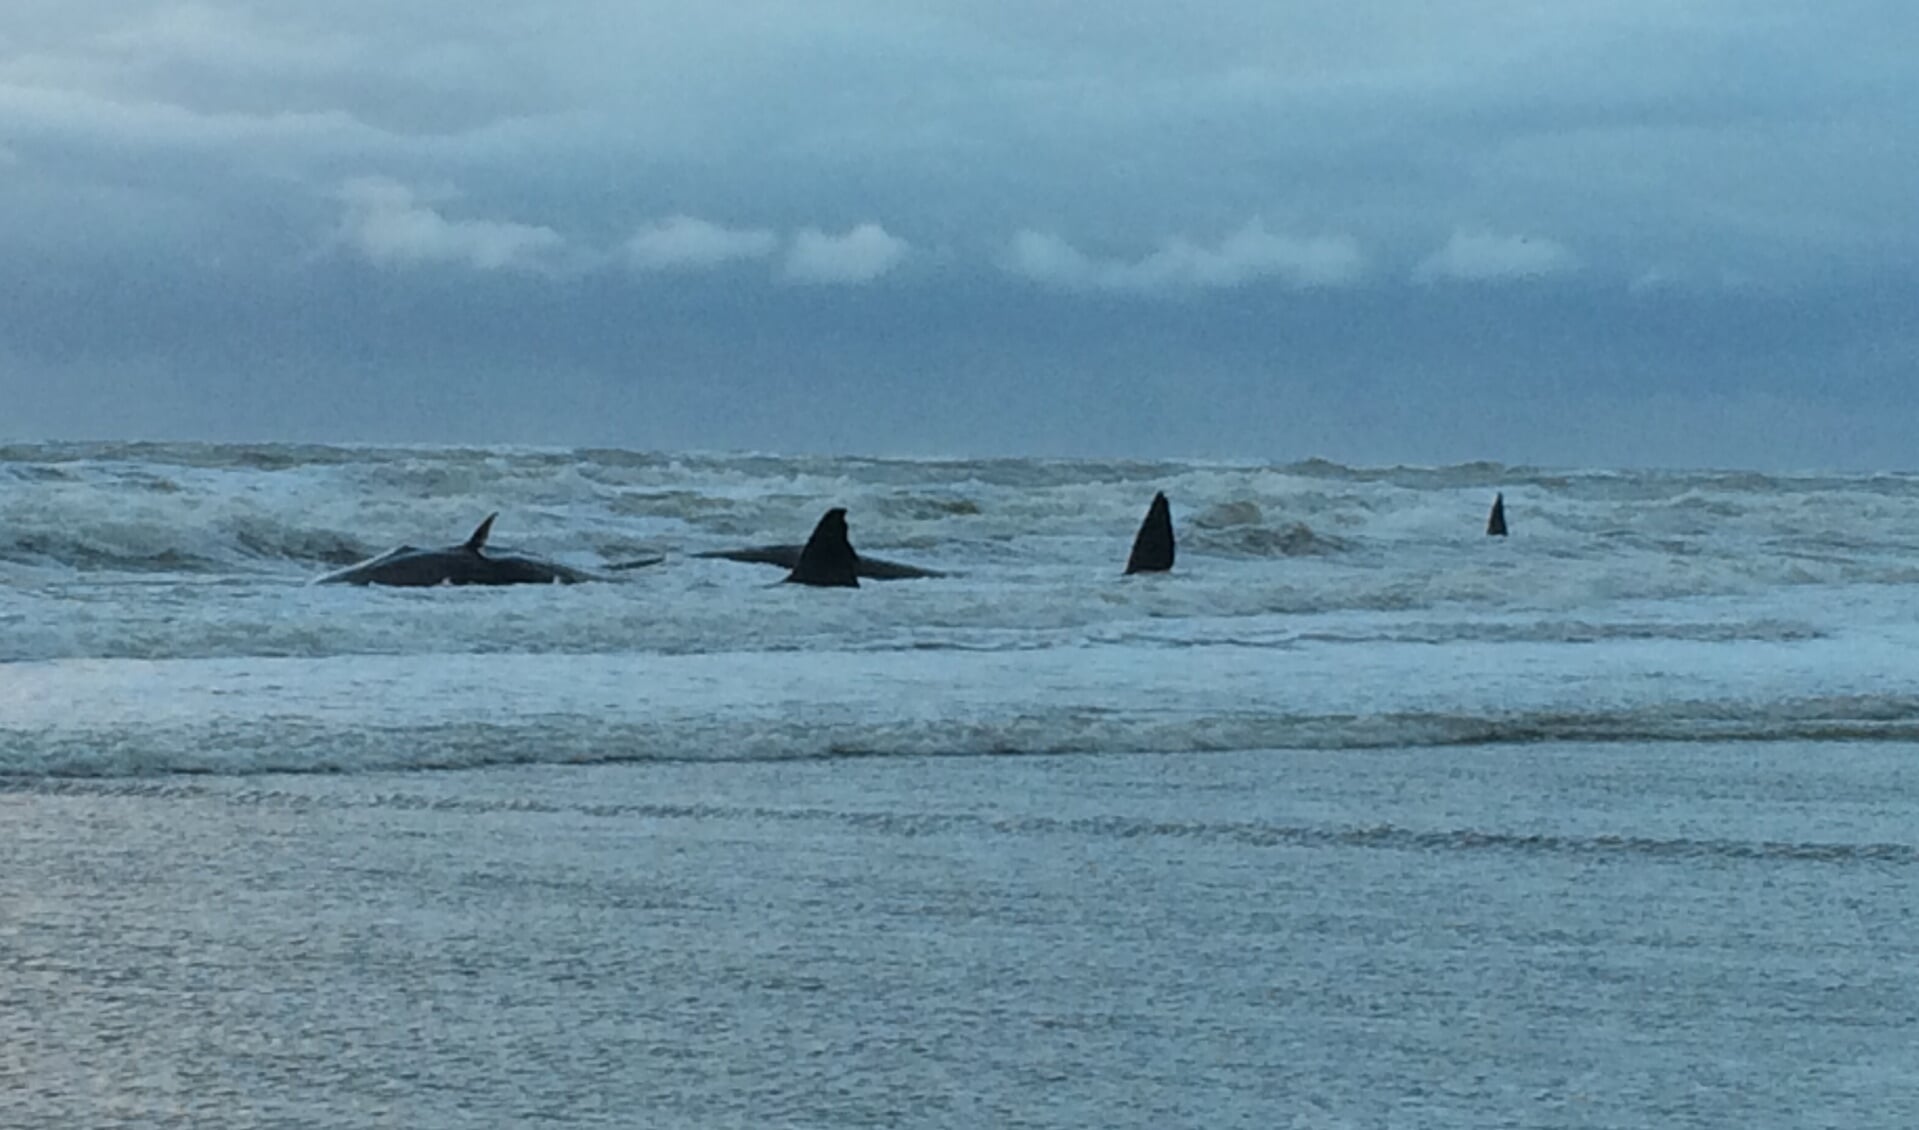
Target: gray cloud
{"points": [[1731, 160], [1247, 255], [1623, 129], [224, 38]]}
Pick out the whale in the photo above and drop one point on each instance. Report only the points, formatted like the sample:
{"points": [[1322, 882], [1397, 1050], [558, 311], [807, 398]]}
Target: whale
{"points": [[465, 564], [1153, 545], [827, 559], [791, 557], [1496, 521]]}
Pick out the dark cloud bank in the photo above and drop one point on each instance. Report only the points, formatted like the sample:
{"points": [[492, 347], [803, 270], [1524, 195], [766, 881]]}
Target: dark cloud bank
{"points": [[1609, 234]]}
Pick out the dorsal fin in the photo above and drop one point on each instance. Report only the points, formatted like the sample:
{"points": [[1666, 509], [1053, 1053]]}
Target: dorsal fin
{"points": [[828, 558], [1153, 545], [1496, 522], [478, 541]]}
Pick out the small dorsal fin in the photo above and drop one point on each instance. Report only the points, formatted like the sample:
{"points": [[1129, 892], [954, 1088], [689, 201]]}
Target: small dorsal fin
{"points": [[478, 541]]}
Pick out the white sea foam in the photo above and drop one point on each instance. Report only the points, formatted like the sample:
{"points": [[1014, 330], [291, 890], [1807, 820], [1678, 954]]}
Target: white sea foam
{"points": [[155, 614]]}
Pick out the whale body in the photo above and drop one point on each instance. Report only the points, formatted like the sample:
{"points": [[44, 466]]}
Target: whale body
{"points": [[465, 564], [789, 557]]}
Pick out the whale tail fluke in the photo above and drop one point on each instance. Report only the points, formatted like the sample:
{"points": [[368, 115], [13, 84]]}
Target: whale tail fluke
{"points": [[478, 541], [1153, 546], [1496, 522], [828, 559]]}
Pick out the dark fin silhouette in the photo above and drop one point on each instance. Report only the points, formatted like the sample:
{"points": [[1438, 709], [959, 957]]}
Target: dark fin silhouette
{"points": [[1496, 524], [1153, 547], [478, 541], [828, 558]]}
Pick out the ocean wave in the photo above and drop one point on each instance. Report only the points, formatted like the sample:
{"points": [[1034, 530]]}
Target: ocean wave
{"points": [[915, 825], [148, 544], [689, 607], [166, 746], [196, 508]]}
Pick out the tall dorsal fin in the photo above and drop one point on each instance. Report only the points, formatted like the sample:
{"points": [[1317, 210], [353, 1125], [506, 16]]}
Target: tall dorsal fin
{"points": [[1153, 545], [1496, 522], [828, 558], [478, 541]]}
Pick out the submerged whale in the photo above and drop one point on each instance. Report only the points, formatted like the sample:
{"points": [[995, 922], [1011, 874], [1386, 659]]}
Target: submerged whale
{"points": [[1496, 521], [464, 564], [793, 557], [1153, 545]]}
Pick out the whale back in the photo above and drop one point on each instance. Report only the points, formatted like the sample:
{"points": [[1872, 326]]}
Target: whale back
{"points": [[827, 559], [1153, 545], [464, 564], [788, 557]]}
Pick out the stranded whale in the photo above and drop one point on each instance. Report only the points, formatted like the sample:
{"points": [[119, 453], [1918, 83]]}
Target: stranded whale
{"points": [[827, 559], [1496, 522], [793, 557], [464, 564], [1153, 545]]}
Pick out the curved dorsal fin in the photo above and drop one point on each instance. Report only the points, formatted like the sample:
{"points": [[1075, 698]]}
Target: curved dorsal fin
{"points": [[478, 540]]}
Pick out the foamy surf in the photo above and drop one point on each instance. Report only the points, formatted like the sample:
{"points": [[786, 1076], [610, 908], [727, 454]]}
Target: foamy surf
{"points": [[158, 616]]}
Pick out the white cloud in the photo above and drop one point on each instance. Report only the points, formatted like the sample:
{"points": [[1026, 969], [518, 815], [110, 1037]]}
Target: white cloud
{"points": [[686, 243], [388, 223], [861, 255], [1250, 254], [1481, 256], [1044, 257]]}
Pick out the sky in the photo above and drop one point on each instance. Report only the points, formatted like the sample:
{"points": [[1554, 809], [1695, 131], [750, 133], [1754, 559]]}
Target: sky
{"points": [[1576, 233]]}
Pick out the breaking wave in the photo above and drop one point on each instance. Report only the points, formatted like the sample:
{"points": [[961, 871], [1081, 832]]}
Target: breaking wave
{"points": [[209, 508], [155, 618]]}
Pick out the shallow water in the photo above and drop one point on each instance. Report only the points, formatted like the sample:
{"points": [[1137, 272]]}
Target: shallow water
{"points": [[1551, 935], [1356, 819], [156, 608]]}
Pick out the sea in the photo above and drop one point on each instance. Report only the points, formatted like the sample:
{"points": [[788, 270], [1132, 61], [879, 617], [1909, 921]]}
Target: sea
{"points": [[1358, 818]]}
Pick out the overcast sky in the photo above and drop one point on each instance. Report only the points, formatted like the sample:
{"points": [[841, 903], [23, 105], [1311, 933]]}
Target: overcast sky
{"points": [[1594, 232]]}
